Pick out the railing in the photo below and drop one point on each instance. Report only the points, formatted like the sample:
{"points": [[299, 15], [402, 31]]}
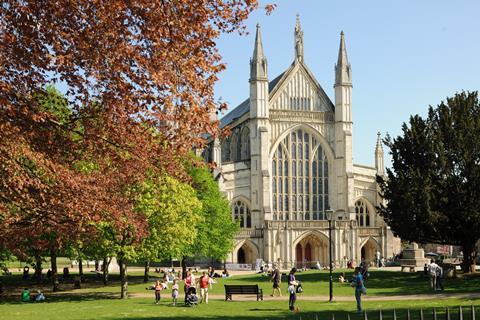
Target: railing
{"points": [[375, 231], [309, 224], [293, 115], [250, 233], [434, 314], [314, 224]]}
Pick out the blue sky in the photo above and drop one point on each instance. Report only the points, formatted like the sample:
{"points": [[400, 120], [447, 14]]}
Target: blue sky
{"points": [[405, 56]]}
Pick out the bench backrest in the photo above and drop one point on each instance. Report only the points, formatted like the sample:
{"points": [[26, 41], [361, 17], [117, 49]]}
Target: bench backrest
{"points": [[241, 288]]}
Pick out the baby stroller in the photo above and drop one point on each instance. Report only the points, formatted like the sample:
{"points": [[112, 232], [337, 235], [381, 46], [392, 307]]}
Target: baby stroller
{"points": [[192, 299]]}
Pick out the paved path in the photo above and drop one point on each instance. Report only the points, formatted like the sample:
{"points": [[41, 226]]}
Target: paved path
{"points": [[471, 295]]}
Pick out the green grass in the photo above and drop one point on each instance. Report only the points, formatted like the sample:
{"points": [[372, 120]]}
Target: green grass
{"points": [[98, 302], [315, 283], [97, 308]]}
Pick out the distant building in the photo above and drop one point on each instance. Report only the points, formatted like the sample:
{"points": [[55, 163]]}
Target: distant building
{"points": [[289, 159]]}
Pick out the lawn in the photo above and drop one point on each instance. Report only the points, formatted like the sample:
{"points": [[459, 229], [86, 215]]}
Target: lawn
{"points": [[315, 283], [92, 307], [100, 302]]}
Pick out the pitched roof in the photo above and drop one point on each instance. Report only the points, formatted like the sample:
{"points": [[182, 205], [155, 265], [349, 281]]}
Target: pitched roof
{"points": [[244, 107]]}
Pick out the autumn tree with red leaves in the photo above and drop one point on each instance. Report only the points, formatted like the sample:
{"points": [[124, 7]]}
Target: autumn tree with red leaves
{"points": [[138, 79]]}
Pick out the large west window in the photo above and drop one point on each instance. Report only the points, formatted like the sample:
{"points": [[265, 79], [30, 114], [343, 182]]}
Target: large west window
{"points": [[299, 178]]}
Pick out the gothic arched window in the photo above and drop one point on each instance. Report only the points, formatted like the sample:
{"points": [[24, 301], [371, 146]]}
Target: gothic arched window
{"points": [[235, 146], [245, 152], [299, 178], [362, 214], [226, 150], [241, 212]]}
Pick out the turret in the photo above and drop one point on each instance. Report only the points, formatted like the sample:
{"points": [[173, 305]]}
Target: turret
{"points": [[343, 131], [259, 133], [379, 164], [258, 62], [343, 69]]}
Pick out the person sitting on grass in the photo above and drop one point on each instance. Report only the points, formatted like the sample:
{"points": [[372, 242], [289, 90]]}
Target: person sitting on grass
{"points": [[26, 295], [225, 273], [39, 297], [341, 279]]}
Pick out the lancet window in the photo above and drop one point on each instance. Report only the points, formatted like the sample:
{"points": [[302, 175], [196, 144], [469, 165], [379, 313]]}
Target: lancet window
{"points": [[241, 213], [299, 178], [363, 214]]}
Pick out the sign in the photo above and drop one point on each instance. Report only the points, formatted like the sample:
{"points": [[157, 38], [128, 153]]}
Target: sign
{"points": [[445, 249]]}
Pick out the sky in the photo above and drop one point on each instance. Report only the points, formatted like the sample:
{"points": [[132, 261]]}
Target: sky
{"points": [[405, 56]]}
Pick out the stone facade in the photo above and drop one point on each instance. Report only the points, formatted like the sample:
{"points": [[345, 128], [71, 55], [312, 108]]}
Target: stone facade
{"points": [[289, 159]]}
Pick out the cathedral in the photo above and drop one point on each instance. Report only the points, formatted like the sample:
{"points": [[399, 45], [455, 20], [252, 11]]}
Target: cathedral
{"points": [[287, 170]]}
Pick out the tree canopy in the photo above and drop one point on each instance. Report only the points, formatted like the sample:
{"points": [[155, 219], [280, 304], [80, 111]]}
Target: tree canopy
{"points": [[217, 229], [432, 191]]}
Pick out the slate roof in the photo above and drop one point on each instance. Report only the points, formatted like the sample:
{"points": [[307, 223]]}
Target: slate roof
{"points": [[244, 107]]}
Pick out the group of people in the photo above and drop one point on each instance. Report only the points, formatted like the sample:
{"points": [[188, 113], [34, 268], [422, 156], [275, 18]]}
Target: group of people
{"points": [[294, 286], [190, 284], [435, 274], [28, 297]]}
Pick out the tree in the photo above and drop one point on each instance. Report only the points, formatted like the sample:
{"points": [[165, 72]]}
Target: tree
{"points": [[432, 191], [173, 213], [217, 229]]}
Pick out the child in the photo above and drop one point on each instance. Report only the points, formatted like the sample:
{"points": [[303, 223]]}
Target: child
{"points": [[175, 292], [158, 288]]}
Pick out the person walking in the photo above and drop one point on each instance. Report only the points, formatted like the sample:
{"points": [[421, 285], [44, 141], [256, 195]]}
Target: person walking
{"points": [[432, 272], [359, 286], [175, 292], [276, 279], [204, 282], [188, 283], [439, 274], [292, 289], [158, 288]]}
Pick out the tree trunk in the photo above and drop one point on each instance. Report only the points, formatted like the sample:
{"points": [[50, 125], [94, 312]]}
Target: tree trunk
{"points": [[146, 277], [184, 267], [53, 261], [469, 256], [123, 278], [38, 268], [105, 265], [80, 269]]}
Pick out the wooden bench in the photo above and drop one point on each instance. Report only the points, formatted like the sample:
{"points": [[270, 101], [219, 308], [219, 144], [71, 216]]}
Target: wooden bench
{"points": [[243, 289]]}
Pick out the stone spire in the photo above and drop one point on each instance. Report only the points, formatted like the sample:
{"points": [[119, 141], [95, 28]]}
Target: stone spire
{"points": [[258, 63], [298, 40], [343, 71], [379, 165]]}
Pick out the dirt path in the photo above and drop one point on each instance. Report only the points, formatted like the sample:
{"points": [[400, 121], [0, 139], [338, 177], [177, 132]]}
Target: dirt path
{"points": [[472, 295]]}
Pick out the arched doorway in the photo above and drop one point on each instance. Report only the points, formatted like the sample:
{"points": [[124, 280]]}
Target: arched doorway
{"points": [[311, 248], [368, 250], [247, 253], [241, 256]]}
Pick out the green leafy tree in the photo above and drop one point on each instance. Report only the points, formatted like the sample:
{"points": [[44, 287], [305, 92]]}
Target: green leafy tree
{"points": [[432, 191], [173, 213], [217, 230]]}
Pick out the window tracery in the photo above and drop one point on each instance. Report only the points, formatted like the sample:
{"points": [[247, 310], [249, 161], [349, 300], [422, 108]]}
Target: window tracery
{"points": [[241, 212], [299, 178]]}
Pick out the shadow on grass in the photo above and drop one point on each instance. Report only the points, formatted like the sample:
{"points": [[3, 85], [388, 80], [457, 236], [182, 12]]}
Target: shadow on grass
{"points": [[63, 297], [381, 283], [406, 312]]}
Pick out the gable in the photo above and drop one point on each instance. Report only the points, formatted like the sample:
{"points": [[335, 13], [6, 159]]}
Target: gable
{"points": [[298, 90]]}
